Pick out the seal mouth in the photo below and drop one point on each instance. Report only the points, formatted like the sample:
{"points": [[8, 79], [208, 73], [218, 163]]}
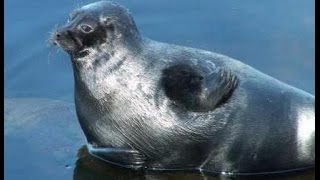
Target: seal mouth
{"points": [[70, 44], [76, 40]]}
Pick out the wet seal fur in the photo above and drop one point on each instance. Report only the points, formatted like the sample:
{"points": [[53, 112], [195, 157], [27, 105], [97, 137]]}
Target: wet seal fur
{"points": [[143, 104]]}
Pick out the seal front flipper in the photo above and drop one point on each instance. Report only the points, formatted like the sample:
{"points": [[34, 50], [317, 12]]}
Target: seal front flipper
{"points": [[218, 87], [124, 157], [187, 86]]}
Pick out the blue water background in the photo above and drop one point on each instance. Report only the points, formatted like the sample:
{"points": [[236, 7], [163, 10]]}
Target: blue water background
{"points": [[274, 36]]}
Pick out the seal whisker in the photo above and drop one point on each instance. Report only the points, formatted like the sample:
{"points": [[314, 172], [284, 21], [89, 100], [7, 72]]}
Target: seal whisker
{"points": [[50, 40], [52, 50], [49, 55]]}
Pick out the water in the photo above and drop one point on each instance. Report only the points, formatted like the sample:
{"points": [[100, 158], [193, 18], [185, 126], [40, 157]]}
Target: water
{"points": [[42, 136]]}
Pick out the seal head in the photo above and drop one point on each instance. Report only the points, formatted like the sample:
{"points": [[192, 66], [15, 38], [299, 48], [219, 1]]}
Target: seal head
{"points": [[93, 25]]}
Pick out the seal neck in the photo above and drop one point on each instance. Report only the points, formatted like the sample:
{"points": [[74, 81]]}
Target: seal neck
{"points": [[113, 56]]}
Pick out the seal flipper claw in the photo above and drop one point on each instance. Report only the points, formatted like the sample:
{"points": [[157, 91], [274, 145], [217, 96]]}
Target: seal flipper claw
{"points": [[224, 85], [187, 87], [128, 158]]}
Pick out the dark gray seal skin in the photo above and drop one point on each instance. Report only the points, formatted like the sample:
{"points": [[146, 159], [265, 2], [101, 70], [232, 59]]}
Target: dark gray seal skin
{"points": [[148, 105]]}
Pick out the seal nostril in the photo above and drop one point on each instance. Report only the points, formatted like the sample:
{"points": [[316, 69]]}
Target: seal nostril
{"points": [[58, 35]]}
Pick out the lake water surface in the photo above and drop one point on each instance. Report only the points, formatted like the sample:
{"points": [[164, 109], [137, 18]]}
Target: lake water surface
{"points": [[43, 139]]}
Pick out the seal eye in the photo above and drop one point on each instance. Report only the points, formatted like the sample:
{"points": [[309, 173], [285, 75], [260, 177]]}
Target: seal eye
{"points": [[85, 28]]}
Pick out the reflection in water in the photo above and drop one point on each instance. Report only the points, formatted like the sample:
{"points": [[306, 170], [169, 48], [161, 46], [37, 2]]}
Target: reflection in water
{"points": [[89, 167], [42, 135]]}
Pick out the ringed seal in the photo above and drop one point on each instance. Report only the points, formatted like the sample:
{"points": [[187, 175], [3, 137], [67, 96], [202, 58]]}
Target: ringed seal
{"points": [[143, 104]]}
